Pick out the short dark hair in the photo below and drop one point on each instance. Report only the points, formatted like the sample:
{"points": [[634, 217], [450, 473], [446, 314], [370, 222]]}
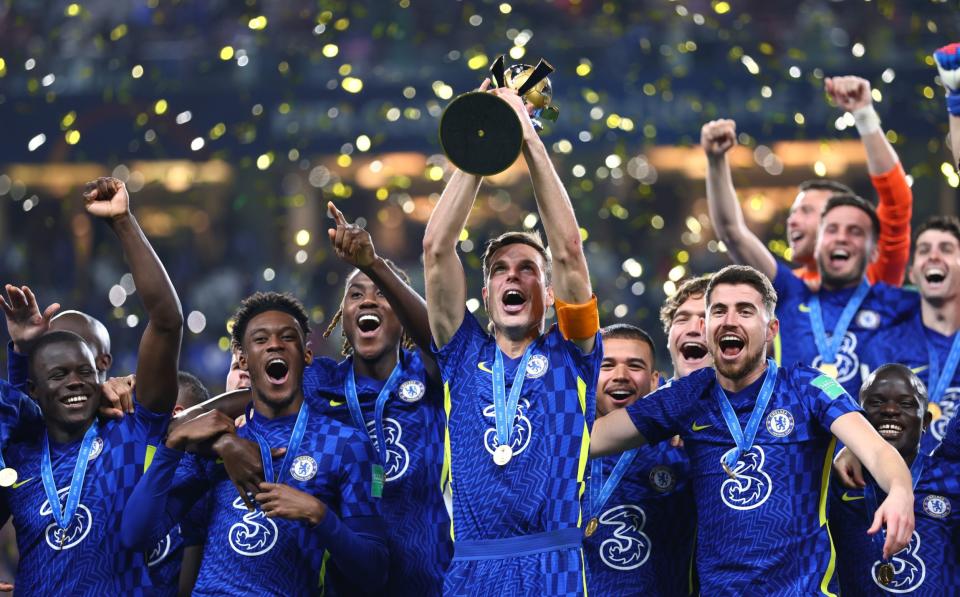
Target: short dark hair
{"points": [[744, 274], [853, 201], [824, 184], [192, 389], [944, 223], [54, 337], [689, 288], [918, 386], [626, 331], [531, 239], [261, 302]]}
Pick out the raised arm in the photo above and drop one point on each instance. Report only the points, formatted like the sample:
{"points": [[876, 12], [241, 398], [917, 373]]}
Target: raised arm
{"points": [[895, 205], [355, 246], [948, 65], [891, 472], [613, 433], [158, 356], [717, 137]]}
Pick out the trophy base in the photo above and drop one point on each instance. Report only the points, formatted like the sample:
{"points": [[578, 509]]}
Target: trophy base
{"points": [[480, 133]]}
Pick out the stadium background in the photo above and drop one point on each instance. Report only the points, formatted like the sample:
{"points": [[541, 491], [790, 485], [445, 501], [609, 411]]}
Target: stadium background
{"points": [[234, 122]]}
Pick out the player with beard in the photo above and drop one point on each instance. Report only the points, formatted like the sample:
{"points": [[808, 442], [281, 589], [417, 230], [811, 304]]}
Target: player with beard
{"points": [[639, 532], [389, 389], [894, 401], [778, 467], [323, 500], [517, 452], [76, 473], [681, 316], [886, 173]]}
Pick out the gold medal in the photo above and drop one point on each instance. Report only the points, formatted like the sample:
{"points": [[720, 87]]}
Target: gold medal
{"points": [[8, 477], [727, 470], [829, 369], [933, 408], [885, 573], [592, 525], [502, 454]]}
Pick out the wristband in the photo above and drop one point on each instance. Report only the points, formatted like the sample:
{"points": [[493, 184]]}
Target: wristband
{"points": [[867, 120], [578, 322], [953, 103]]}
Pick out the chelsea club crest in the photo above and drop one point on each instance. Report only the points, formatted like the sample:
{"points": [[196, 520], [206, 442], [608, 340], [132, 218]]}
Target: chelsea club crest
{"points": [[780, 423], [303, 468], [411, 390], [936, 506], [96, 447], [537, 366]]}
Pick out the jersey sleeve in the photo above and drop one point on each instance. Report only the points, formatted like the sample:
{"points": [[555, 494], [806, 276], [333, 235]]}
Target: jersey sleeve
{"points": [[894, 211], [823, 396], [17, 368], [586, 364], [786, 283], [18, 413], [450, 355], [662, 414], [949, 448]]}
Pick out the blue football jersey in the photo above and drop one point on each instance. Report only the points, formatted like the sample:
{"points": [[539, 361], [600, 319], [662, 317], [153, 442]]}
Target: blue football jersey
{"points": [[765, 532], [539, 489], [928, 565], [20, 417], [92, 560], [164, 560], [246, 553], [418, 524], [860, 351], [644, 540]]}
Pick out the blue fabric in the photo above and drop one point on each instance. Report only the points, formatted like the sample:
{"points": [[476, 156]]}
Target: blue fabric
{"points": [[760, 533], [511, 547], [417, 521], [539, 489]]}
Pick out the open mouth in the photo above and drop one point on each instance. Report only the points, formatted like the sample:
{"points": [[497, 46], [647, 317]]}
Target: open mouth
{"points": [[693, 351], [935, 275], [277, 371], [368, 323], [513, 301], [731, 345], [890, 430], [839, 257], [620, 395], [75, 400], [796, 236]]}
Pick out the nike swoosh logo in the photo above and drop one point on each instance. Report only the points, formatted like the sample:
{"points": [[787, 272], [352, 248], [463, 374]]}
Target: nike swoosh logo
{"points": [[336, 403], [850, 498], [19, 483], [482, 365], [920, 369], [696, 427], [803, 308]]}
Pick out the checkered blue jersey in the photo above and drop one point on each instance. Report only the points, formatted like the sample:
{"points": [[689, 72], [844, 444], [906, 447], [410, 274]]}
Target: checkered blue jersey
{"points": [[164, 560], [862, 350], [20, 416], [539, 489], [765, 532], [246, 553], [418, 524], [911, 339], [93, 561], [928, 564], [644, 541]]}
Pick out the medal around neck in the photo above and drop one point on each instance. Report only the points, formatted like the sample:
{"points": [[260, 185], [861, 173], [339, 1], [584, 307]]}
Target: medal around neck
{"points": [[885, 573], [829, 369], [592, 525], [8, 477], [481, 134], [502, 455]]}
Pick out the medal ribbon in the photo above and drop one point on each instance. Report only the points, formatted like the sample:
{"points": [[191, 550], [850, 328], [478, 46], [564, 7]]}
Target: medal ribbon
{"points": [[296, 438], [353, 403], [744, 437], [940, 380], [501, 404], [870, 495], [829, 347], [600, 492], [65, 516]]}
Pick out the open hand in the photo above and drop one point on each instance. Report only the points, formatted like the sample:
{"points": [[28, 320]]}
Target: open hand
{"points": [[25, 322]]}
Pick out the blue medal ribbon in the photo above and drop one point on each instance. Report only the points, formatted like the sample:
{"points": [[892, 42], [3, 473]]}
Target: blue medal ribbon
{"points": [[744, 437], [601, 491], [65, 516], [353, 403], [501, 405], [293, 445], [939, 380], [829, 347], [870, 495]]}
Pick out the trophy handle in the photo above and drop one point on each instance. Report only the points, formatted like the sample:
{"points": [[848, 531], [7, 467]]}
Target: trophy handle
{"points": [[539, 73], [497, 70]]}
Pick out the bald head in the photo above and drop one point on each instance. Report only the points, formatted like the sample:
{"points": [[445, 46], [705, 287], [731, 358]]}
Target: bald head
{"points": [[93, 332]]}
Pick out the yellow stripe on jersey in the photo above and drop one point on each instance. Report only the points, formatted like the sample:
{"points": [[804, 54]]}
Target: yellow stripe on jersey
{"points": [[777, 350], [323, 573], [446, 473], [584, 447], [693, 558], [148, 457], [583, 571], [822, 510]]}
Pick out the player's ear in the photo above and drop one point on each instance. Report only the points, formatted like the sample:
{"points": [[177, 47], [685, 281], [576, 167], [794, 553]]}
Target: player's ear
{"points": [[550, 298], [242, 360], [654, 380], [773, 328], [177, 409], [104, 361], [874, 253], [308, 355], [927, 419], [483, 295]]}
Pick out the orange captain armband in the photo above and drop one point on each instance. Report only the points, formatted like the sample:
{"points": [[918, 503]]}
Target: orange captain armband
{"points": [[578, 322]]}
